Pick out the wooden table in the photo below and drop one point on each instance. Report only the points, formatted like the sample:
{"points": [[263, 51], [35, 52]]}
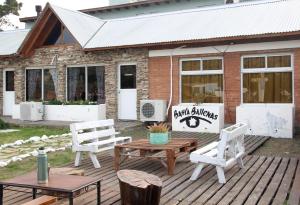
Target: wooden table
{"points": [[166, 154], [65, 184]]}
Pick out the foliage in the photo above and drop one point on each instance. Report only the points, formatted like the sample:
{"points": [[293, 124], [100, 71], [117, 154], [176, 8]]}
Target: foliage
{"points": [[9, 7], [3, 125], [158, 128], [58, 102]]}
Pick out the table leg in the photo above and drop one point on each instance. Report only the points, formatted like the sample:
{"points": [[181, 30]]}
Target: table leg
{"points": [[33, 193], [1, 194], [98, 193], [70, 198], [117, 158], [171, 160]]}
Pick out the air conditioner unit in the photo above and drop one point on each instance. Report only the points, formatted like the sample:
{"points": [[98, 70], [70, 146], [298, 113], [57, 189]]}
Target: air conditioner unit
{"points": [[31, 111], [153, 110]]}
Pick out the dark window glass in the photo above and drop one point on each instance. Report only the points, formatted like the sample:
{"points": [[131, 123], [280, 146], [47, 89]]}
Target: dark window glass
{"points": [[128, 77], [191, 65], [202, 88], [76, 83], [267, 87], [96, 84], [54, 35], [212, 64], [59, 35], [279, 61], [50, 84], [10, 81], [254, 62], [34, 85]]}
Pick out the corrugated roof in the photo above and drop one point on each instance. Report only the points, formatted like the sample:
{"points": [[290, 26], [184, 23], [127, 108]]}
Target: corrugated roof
{"points": [[242, 19], [11, 41], [81, 26]]}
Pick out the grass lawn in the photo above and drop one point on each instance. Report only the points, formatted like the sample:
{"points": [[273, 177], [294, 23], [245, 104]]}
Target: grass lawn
{"points": [[27, 132], [29, 164], [55, 159]]}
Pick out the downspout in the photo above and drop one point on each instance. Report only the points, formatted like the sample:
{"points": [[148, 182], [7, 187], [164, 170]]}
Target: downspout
{"points": [[171, 77]]}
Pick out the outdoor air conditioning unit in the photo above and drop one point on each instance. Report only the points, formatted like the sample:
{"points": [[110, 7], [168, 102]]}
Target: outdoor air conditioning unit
{"points": [[153, 110], [31, 111]]}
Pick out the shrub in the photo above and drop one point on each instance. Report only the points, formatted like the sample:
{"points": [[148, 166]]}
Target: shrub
{"points": [[3, 125], [158, 128]]}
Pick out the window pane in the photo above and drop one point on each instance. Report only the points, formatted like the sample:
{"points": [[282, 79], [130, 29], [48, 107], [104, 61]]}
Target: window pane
{"points": [[190, 65], [34, 85], [76, 83], [267, 88], [96, 80], [202, 89], [254, 62], [10, 81], [50, 84], [128, 77], [279, 61], [214, 64]]}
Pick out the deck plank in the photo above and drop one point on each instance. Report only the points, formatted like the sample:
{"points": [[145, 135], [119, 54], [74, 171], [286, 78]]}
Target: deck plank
{"points": [[294, 198], [177, 189]]}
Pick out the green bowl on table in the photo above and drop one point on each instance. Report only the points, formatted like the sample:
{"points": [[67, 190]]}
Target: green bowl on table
{"points": [[158, 138]]}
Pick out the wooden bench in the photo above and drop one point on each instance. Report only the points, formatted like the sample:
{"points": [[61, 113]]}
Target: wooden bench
{"points": [[94, 137], [43, 200], [224, 153]]}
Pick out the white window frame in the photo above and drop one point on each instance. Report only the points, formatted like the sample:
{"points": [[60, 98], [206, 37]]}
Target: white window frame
{"points": [[200, 72], [267, 70], [85, 66], [37, 68]]}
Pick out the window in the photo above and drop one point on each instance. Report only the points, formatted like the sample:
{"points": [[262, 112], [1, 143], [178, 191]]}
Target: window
{"points": [[267, 79], [86, 83], [59, 35], [202, 80], [9, 81], [41, 84]]}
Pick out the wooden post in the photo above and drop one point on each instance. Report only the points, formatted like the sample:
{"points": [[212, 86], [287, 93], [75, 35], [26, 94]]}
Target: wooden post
{"points": [[139, 187]]}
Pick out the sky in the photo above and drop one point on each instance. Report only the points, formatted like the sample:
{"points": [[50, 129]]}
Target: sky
{"points": [[28, 8]]}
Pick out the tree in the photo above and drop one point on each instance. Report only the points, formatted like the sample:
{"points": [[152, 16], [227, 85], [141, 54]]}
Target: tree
{"points": [[9, 7]]}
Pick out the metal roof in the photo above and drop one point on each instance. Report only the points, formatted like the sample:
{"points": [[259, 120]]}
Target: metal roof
{"points": [[81, 26], [241, 19], [11, 41]]}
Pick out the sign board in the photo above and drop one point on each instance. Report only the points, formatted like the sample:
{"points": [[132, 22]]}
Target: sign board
{"points": [[198, 118]]}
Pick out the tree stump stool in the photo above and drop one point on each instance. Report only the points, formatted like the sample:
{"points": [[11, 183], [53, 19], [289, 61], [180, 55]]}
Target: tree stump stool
{"points": [[139, 188]]}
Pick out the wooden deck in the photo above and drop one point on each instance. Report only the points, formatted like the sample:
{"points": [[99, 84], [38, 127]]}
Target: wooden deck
{"points": [[265, 180]]}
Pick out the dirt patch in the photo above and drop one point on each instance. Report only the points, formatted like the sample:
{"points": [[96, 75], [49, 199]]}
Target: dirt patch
{"points": [[280, 147]]}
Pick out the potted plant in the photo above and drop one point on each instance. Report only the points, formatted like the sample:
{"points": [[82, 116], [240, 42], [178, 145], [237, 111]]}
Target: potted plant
{"points": [[158, 133]]}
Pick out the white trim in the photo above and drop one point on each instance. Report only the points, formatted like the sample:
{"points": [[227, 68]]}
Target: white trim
{"points": [[200, 72], [228, 48], [267, 70]]}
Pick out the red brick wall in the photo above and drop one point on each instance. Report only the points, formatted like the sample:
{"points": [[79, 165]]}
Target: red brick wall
{"points": [[232, 85], [159, 81]]}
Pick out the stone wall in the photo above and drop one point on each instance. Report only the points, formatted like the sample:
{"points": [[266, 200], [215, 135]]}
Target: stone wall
{"points": [[73, 55]]}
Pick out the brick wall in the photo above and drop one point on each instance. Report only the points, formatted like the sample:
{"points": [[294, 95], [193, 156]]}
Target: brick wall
{"points": [[159, 80]]}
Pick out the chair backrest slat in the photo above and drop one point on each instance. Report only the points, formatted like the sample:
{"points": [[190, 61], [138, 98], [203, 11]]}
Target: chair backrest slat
{"points": [[86, 131], [233, 138]]}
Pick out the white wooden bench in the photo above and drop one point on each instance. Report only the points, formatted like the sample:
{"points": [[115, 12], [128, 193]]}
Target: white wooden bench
{"points": [[224, 153], [94, 137]]}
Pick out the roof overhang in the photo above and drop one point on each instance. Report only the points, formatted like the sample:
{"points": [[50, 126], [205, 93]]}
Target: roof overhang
{"points": [[211, 42]]}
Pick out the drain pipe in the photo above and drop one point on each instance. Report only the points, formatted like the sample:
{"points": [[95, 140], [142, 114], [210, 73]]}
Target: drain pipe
{"points": [[171, 77]]}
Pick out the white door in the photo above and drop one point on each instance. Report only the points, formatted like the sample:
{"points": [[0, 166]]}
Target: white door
{"points": [[127, 92], [8, 92]]}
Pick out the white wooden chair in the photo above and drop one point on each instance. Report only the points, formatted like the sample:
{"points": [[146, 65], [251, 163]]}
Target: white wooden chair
{"points": [[94, 137], [224, 153]]}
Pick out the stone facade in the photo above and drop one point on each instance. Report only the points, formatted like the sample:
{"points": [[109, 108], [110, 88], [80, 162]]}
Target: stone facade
{"points": [[73, 55]]}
